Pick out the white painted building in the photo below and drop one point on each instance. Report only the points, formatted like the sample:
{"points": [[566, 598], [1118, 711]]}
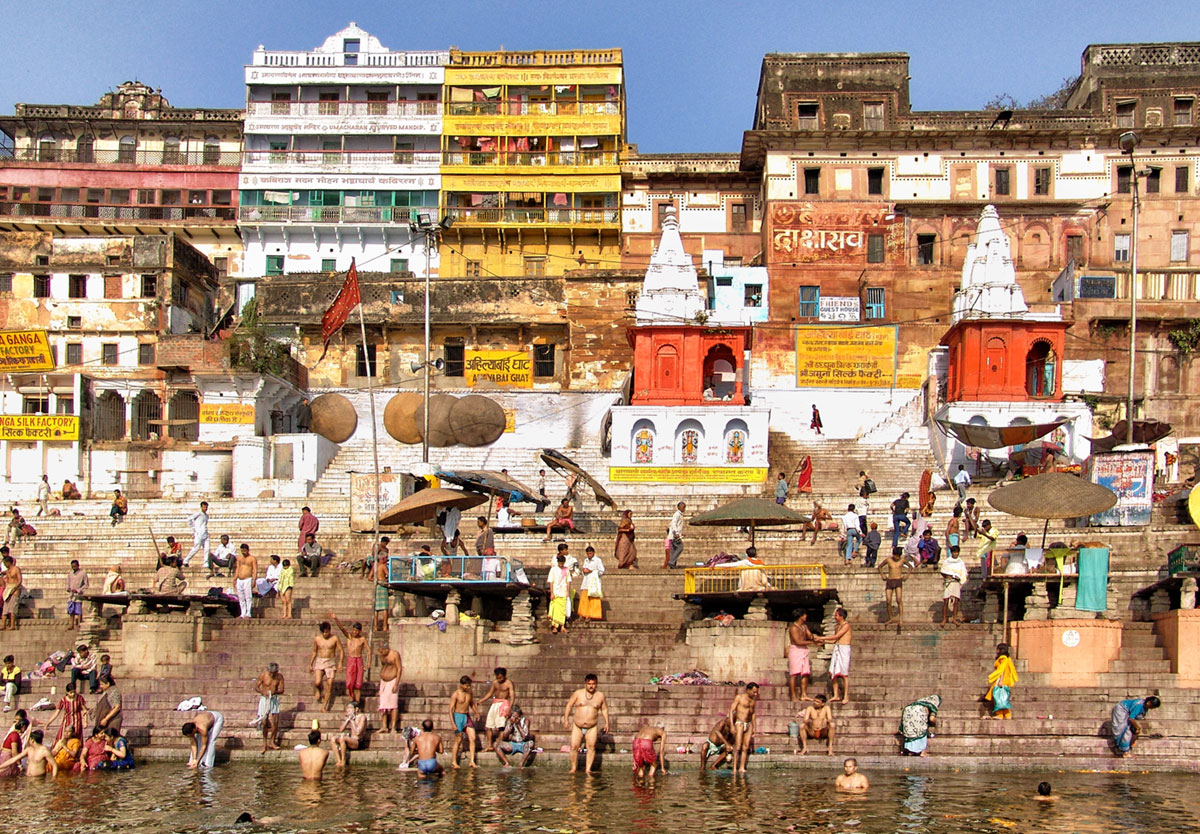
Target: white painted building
{"points": [[342, 152]]}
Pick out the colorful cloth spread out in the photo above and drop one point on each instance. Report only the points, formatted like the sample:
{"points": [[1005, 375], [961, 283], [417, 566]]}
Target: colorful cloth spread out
{"points": [[914, 722]]}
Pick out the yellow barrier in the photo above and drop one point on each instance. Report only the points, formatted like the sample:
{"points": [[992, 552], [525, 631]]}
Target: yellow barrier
{"points": [[728, 580]]}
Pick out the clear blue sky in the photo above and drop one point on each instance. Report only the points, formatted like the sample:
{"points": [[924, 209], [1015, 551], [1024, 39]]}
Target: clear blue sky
{"points": [[691, 67]]}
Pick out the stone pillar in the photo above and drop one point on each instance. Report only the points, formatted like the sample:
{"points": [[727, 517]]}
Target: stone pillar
{"points": [[1111, 610], [453, 600], [477, 606], [1187, 593], [1160, 601], [1037, 606], [991, 607], [828, 627], [522, 630], [758, 610], [92, 625], [1140, 607], [1065, 610]]}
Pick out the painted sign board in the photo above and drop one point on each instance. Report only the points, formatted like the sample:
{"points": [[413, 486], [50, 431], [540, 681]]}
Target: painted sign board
{"points": [[1131, 476], [25, 350], [846, 357], [39, 427]]}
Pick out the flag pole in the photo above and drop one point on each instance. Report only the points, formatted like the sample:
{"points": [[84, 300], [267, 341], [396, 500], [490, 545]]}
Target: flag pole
{"points": [[362, 326]]}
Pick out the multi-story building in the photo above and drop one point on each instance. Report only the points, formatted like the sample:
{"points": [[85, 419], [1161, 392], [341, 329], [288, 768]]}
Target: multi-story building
{"points": [[869, 208], [343, 151], [530, 174], [129, 165]]}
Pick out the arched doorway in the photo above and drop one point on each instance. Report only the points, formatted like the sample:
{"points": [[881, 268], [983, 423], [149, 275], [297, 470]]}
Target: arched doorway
{"points": [[108, 422], [1041, 370], [184, 406], [993, 361], [720, 373], [147, 414], [666, 368]]}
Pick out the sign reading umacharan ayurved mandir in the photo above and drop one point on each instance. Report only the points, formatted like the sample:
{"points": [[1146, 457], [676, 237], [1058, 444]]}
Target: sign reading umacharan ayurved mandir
{"points": [[511, 369], [39, 427], [25, 350]]}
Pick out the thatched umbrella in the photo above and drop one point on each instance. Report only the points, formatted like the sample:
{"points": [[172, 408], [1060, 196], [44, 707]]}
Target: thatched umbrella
{"points": [[749, 512], [485, 480], [1052, 495], [560, 463], [427, 503]]}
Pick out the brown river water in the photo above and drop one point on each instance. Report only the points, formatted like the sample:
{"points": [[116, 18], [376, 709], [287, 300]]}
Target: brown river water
{"points": [[167, 797]]}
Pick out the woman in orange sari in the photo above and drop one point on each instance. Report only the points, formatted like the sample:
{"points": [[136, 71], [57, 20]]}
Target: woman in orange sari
{"points": [[626, 550]]}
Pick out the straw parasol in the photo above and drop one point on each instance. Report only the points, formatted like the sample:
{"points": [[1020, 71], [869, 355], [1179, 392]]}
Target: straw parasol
{"points": [[1052, 495], [485, 480], [560, 463], [425, 504], [749, 512]]}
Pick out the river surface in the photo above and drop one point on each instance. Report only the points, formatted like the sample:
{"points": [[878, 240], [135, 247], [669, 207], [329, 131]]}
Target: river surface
{"points": [[162, 797]]}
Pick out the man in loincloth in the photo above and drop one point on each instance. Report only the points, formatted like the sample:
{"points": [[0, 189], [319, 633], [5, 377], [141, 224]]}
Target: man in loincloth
{"points": [[202, 733], [381, 595], [894, 571], [356, 652], [741, 716], [718, 743], [643, 750], [839, 663], [427, 746], [503, 695], [269, 687], [587, 704], [817, 723], [516, 739], [12, 593], [38, 757], [462, 710], [390, 669], [352, 735], [798, 661], [326, 660]]}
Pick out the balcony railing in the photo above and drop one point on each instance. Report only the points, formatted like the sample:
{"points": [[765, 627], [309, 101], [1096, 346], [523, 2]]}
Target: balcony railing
{"points": [[87, 211], [344, 108], [552, 217], [275, 58], [1161, 286], [499, 107], [569, 158], [449, 569], [723, 580], [353, 160], [129, 156], [328, 214]]}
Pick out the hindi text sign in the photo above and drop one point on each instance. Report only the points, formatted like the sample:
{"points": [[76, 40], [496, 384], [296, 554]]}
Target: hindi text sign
{"points": [[25, 350], [846, 357], [506, 368], [39, 427], [226, 413]]}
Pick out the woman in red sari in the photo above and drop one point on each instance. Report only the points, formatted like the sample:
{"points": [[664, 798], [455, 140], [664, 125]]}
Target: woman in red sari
{"points": [[626, 550], [804, 478], [73, 709]]}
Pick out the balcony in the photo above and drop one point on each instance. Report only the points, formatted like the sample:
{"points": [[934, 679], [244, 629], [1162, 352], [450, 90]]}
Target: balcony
{"points": [[568, 58], [545, 159], [340, 161], [344, 108], [96, 211], [203, 158], [536, 217], [349, 215], [498, 107], [278, 58]]}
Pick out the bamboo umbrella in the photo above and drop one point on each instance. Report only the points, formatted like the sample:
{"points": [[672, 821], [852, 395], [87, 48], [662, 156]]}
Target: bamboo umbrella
{"points": [[425, 504], [749, 512]]}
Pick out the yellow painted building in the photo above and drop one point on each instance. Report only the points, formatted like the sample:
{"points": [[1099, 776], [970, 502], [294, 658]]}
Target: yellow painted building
{"points": [[530, 173]]}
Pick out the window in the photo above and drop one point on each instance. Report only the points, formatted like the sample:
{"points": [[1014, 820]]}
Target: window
{"points": [[360, 361], [1124, 179], [875, 303], [84, 149], [74, 353], [6, 282], [1075, 248], [41, 260], [1179, 247], [170, 153], [145, 197], [1182, 177], [212, 150], [69, 195], [403, 154], [146, 353], [47, 149], [925, 249], [1183, 112], [753, 295], [274, 264], [473, 269], [149, 286], [77, 286], [1041, 181], [1120, 248], [197, 198], [281, 104], [874, 180], [732, 263], [535, 267], [737, 218], [221, 265], [376, 104], [399, 265], [543, 360], [807, 115], [41, 286], [328, 104], [452, 353], [172, 198], [75, 322], [812, 180], [874, 249], [127, 149], [64, 405], [1153, 180], [328, 264], [873, 115], [810, 302], [661, 212], [1003, 182], [35, 405], [1125, 113], [108, 353]]}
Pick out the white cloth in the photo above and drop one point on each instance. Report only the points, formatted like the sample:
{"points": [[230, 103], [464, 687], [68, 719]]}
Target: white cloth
{"points": [[245, 596], [450, 528], [560, 582], [675, 528], [271, 582], [503, 517], [839, 662], [862, 507], [591, 581], [954, 567]]}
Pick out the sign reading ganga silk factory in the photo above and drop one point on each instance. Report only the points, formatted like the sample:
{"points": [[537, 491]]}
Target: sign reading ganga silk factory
{"points": [[802, 233], [25, 350], [507, 368], [846, 357], [39, 427]]}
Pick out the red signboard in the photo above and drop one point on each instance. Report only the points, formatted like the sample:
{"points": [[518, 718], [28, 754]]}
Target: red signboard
{"points": [[834, 233]]}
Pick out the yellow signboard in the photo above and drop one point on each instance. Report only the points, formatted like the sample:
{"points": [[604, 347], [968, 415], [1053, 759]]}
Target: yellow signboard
{"points": [[25, 350], [227, 413], [565, 125], [510, 369], [846, 357], [687, 474], [504, 182], [549, 75], [39, 427]]}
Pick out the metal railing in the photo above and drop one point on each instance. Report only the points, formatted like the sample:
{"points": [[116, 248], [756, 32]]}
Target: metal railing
{"points": [[329, 214], [344, 108], [1183, 558], [728, 580], [353, 160], [449, 569], [283, 58], [130, 156], [1160, 286], [501, 107], [111, 212], [568, 158], [551, 217]]}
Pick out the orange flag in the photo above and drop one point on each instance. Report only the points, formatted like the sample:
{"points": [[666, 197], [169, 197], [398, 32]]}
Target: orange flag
{"points": [[347, 299]]}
